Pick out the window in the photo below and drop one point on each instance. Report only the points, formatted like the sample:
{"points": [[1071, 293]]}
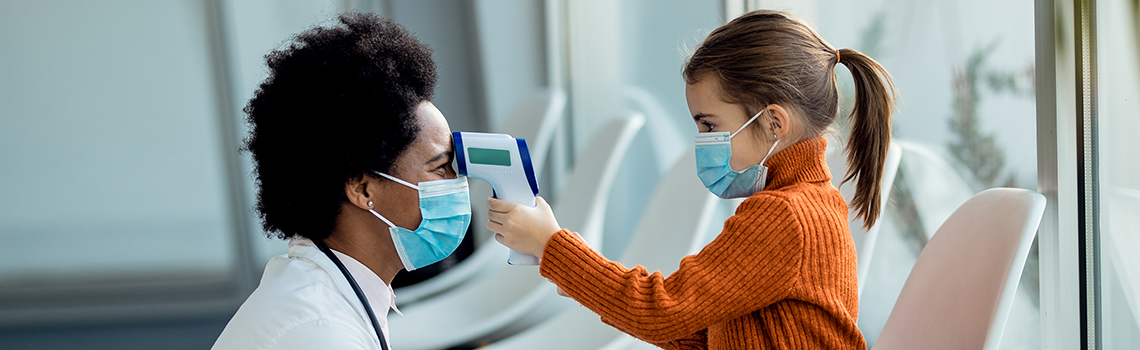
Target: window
{"points": [[116, 178], [1117, 42], [964, 122]]}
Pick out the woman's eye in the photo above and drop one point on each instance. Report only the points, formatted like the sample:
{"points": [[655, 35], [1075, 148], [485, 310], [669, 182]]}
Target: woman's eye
{"points": [[444, 169], [708, 126]]}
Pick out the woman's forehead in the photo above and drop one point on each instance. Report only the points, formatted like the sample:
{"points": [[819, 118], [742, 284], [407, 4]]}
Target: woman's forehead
{"points": [[434, 135]]}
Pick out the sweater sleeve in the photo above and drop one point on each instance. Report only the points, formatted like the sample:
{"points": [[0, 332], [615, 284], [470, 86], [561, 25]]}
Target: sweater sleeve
{"points": [[697, 341], [753, 263]]}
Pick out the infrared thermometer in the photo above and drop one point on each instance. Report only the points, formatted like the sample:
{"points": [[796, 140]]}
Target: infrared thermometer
{"points": [[504, 162]]}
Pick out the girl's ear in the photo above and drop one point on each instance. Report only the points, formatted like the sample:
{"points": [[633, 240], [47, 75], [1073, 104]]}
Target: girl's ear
{"points": [[778, 122]]}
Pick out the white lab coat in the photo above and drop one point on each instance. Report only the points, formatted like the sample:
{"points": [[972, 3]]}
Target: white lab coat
{"points": [[304, 302]]}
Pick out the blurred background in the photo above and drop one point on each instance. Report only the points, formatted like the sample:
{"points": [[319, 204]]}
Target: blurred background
{"points": [[126, 207]]}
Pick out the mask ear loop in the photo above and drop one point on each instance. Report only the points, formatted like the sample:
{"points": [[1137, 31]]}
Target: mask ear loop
{"points": [[402, 182], [746, 124], [769, 152], [750, 122], [396, 241], [773, 144], [390, 224]]}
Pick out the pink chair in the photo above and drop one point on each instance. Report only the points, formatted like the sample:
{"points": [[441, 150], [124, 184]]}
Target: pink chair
{"points": [[959, 293]]}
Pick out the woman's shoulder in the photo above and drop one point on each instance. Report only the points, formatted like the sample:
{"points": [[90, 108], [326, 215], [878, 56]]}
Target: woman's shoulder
{"points": [[294, 294]]}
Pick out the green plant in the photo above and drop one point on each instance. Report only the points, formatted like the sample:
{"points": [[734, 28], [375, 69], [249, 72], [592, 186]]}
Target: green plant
{"points": [[974, 148]]}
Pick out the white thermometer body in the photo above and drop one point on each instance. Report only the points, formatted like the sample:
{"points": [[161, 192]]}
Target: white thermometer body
{"points": [[504, 162]]}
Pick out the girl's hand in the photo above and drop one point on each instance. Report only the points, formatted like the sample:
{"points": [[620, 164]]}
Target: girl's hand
{"points": [[522, 228]]}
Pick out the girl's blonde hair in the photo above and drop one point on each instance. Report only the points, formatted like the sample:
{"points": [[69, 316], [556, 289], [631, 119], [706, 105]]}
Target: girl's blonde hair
{"points": [[769, 57]]}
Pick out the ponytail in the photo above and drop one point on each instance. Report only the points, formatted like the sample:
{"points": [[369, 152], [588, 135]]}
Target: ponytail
{"points": [[870, 132]]}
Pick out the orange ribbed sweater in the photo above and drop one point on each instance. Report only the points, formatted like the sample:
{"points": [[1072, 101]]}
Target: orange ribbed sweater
{"points": [[781, 274]]}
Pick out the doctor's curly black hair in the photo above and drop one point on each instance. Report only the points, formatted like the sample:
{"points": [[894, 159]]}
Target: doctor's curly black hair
{"points": [[338, 103]]}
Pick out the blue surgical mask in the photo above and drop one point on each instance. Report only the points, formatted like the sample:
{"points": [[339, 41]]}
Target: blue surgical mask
{"points": [[714, 150], [446, 209]]}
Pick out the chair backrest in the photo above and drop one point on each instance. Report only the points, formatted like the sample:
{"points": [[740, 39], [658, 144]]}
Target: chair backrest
{"points": [[865, 238], [582, 206], [535, 119], [936, 186], [674, 221], [959, 293]]}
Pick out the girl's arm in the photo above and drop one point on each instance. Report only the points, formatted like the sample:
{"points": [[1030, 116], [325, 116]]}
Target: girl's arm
{"points": [[753, 263], [698, 341]]}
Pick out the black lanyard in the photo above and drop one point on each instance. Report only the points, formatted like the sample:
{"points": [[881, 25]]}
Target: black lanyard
{"points": [[359, 293]]}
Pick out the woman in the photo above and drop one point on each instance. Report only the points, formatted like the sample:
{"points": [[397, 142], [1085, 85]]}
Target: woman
{"points": [[762, 92], [342, 130]]}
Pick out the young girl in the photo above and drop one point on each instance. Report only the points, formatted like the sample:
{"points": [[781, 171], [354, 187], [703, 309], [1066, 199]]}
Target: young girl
{"points": [[781, 275]]}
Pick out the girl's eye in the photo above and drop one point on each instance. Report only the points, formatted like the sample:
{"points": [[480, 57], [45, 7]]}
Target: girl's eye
{"points": [[708, 126]]}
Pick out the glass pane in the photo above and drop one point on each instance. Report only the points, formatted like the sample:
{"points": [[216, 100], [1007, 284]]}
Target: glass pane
{"points": [[109, 140], [1118, 117], [965, 122], [656, 36]]}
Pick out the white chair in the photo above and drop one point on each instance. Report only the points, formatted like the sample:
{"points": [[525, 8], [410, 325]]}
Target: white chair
{"points": [[511, 299], [535, 119], [627, 342], [936, 186], [865, 238], [959, 293], [673, 226], [523, 122]]}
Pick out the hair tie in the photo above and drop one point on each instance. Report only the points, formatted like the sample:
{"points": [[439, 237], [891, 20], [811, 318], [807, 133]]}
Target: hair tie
{"points": [[836, 56]]}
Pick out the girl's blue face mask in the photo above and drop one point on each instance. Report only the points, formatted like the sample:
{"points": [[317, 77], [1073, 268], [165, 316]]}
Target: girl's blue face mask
{"points": [[446, 209], [714, 150]]}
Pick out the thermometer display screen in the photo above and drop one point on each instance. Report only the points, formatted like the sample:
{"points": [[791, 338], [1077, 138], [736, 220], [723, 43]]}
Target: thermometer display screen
{"points": [[487, 156]]}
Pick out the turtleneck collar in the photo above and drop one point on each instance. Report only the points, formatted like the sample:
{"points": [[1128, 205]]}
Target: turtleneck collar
{"points": [[800, 162]]}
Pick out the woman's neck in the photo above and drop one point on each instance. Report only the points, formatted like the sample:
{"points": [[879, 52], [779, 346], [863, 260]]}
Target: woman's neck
{"points": [[367, 240]]}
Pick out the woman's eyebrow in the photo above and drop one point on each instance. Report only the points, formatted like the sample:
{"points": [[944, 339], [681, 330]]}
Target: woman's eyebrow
{"points": [[700, 116], [439, 156]]}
